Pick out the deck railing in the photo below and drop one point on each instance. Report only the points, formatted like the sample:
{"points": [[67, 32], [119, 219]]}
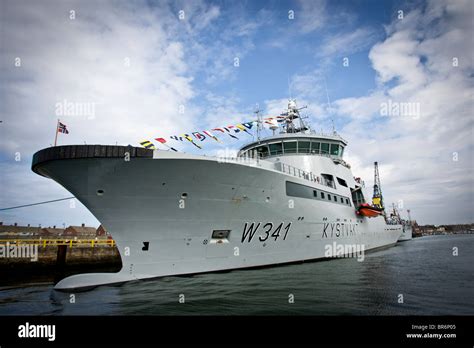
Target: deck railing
{"points": [[299, 173]]}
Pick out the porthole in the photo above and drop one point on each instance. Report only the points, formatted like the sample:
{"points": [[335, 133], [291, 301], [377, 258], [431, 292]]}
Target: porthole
{"points": [[184, 195], [100, 192]]}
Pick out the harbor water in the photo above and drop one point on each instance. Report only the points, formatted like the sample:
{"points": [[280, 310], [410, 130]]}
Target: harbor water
{"points": [[425, 276]]}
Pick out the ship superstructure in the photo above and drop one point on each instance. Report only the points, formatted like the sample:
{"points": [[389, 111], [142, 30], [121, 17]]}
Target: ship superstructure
{"points": [[284, 198]]}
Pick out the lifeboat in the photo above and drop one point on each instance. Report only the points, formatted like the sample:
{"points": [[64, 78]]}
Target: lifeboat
{"points": [[368, 210]]}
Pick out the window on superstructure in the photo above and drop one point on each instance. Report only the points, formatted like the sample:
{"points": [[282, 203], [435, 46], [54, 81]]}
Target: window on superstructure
{"points": [[289, 147], [341, 182], [342, 200], [276, 149], [262, 151], [335, 199], [341, 150], [324, 149], [329, 197], [315, 193], [334, 149], [328, 180], [322, 195], [304, 146], [315, 147]]}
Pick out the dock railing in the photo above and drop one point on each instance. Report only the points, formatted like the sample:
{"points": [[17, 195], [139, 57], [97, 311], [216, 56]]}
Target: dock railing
{"points": [[55, 242]]}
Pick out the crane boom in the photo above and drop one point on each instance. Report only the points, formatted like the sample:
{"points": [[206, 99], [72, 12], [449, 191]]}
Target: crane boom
{"points": [[377, 199]]}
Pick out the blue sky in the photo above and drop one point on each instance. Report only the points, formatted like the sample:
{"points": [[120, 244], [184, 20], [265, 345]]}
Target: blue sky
{"points": [[138, 63]]}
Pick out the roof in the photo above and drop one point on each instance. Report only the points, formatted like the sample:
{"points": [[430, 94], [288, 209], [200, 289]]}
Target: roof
{"points": [[81, 230], [290, 136], [52, 230], [18, 229]]}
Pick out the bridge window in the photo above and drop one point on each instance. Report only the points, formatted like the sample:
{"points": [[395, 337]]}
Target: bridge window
{"points": [[341, 150], [262, 151], [304, 146], [276, 149], [324, 148], [315, 147], [289, 146], [334, 149]]}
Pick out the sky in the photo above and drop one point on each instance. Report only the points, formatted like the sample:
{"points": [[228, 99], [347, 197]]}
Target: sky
{"points": [[138, 70]]}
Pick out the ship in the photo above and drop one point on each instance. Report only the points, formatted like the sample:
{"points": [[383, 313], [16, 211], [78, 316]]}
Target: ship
{"points": [[283, 199], [407, 228], [407, 232]]}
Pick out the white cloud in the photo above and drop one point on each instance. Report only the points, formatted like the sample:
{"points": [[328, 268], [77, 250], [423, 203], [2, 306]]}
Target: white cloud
{"points": [[347, 43], [414, 64], [132, 71], [311, 15], [127, 60]]}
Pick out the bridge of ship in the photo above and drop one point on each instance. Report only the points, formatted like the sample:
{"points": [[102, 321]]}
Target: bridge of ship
{"points": [[322, 145], [331, 146]]}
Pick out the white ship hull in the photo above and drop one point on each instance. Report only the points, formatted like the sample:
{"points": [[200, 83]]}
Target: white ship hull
{"points": [[161, 212], [407, 233]]}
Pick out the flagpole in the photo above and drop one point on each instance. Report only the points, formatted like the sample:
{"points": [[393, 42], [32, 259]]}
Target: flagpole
{"points": [[56, 137]]}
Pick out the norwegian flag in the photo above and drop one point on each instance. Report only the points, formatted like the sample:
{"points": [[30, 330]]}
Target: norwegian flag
{"points": [[62, 128]]}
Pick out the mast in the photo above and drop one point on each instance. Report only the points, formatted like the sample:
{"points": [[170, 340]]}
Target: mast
{"points": [[259, 121], [56, 135], [293, 113]]}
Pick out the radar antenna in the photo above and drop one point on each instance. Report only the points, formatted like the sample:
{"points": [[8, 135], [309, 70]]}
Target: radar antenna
{"points": [[293, 113]]}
